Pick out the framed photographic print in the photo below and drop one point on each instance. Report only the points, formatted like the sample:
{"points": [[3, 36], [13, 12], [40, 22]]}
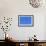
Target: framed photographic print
{"points": [[25, 20]]}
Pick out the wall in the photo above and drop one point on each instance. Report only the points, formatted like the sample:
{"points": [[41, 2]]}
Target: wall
{"points": [[13, 8]]}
